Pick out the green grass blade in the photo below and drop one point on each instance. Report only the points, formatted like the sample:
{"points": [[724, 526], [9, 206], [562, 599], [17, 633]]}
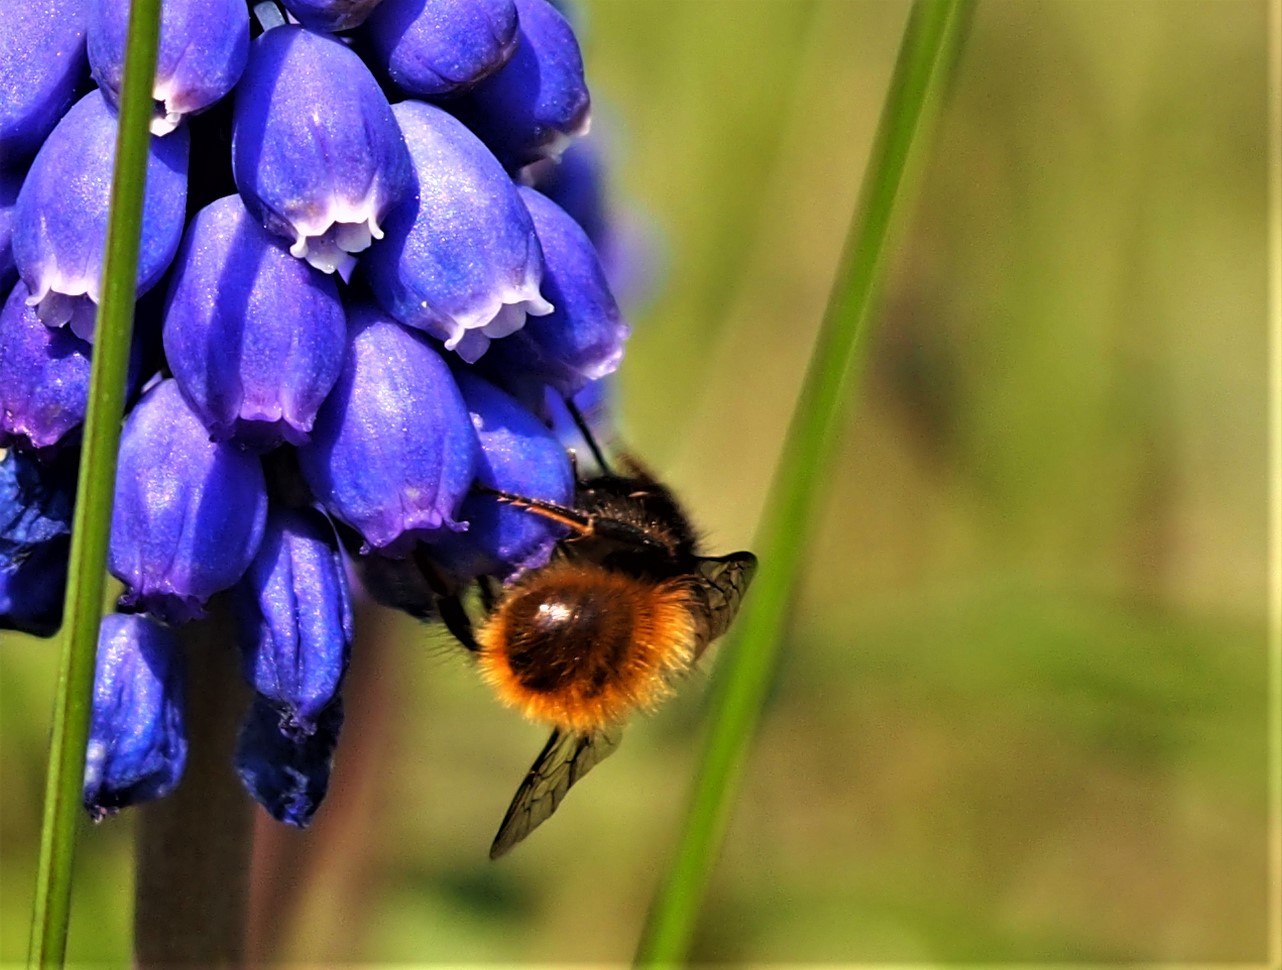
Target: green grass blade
{"points": [[92, 523], [931, 43]]}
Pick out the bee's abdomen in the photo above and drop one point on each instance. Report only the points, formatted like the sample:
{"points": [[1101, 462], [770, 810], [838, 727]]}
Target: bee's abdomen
{"points": [[580, 647]]}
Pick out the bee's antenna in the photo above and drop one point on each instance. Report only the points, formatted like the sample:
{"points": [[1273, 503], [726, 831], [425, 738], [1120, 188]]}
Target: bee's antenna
{"points": [[582, 425]]}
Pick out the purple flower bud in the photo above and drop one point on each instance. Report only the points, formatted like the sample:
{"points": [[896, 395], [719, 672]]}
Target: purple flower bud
{"points": [[254, 360], [330, 15], [520, 455], [60, 222], [538, 101], [582, 339], [189, 512], [285, 773], [316, 152], [32, 589], [36, 501], [203, 48], [295, 618], [393, 451], [575, 182], [137, 732], [461, 260], [437, 47], [44, 376], [595, 404], [10, 183], [42, 59]]}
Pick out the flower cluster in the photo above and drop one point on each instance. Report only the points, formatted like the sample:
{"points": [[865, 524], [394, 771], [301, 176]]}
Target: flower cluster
{"points": [[366, 281]]}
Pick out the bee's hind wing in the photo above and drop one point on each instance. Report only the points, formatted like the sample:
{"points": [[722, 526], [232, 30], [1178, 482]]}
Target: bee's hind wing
{"points": [[723, 581], [565, 759]]}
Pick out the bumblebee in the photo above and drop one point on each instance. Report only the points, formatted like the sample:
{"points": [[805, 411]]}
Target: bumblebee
{"points": [[626, 605]]}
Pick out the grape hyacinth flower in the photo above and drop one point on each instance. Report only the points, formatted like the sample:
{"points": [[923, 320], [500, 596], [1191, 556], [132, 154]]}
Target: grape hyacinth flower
{"points": [[60, 220], [331, 15], [36, 501], [466, 275], [316, 153], [137, 734], [520, 455], [42, 61], [433, 48], [320, 397], [295, 618], [203, 48], [256, 363], [582, 339], [393, 453], [538, 101], [188, 514], [287, 773]]}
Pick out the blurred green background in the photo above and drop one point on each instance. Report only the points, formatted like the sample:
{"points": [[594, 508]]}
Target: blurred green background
{"points": [[1022, 709]]}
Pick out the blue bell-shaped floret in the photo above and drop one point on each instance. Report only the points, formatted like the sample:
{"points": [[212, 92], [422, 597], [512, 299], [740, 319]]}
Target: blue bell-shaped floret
{"points": [[433, 48], [42, 61], [10, 183], [189, 512], [294, 618], [203, 48], [254, 360], [36, 504], [531, 107], [520, 455], [287, 773], [137, 732], [331, 15], [582, 339], [60, 221], [461, 259], [393, 451], [44, 376], [316, 152]]}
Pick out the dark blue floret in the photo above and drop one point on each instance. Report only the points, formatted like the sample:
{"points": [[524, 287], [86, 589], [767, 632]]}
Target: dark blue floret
{"points": [[294, 618], [42, 60], [10, 182], [254, 359], [538, 101], [137, 735], [433, 48], [188, 514], [60, 220], [520, 455], [36, 504], [286, 773], [330, 15]]}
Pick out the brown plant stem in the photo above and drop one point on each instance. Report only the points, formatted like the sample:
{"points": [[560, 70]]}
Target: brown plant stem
{"points": [[192, 848]]}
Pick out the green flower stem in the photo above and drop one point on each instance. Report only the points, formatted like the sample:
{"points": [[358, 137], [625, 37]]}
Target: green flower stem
{"points": [[192, 847], [91, 525], [931, 43]]}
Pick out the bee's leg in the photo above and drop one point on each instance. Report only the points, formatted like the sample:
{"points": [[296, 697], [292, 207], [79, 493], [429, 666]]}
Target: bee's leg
{"points": [[489, 596], [450, 609], [582, 425]]}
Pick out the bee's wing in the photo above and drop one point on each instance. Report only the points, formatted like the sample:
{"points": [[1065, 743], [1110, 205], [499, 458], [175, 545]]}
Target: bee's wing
{"points": [[565, 759], [724, 580]]}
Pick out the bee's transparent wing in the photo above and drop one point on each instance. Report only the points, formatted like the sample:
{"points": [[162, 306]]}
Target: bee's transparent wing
{"points": [[724, 581], [565, 759]]}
